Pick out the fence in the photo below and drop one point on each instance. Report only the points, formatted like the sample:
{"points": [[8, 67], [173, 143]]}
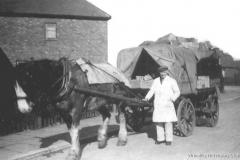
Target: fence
{"points": [[9, 127]]}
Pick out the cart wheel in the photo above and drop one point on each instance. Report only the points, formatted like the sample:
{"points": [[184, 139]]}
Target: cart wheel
{"points": [[186, 117], [135, 118], [212, 118]]}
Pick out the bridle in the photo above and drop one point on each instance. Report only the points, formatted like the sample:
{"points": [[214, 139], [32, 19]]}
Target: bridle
{"points": [[46, 91]]}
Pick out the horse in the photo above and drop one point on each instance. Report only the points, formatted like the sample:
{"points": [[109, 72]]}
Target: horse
{"points": [[43, 84]]}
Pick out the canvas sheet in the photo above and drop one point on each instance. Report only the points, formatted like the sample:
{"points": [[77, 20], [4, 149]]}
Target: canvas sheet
{"points": [[99, 73], [180, 61]]}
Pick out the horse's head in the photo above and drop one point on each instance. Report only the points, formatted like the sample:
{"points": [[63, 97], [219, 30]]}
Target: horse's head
{"points": [[23, 105], [36, 83]]}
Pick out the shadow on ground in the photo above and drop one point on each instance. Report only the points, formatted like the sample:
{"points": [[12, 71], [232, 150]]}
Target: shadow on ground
{"points": [[85, 135], [151, 131], [149, 128]]}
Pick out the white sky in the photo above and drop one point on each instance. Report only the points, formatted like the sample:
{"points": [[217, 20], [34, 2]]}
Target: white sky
{"points": [[135, 21]]}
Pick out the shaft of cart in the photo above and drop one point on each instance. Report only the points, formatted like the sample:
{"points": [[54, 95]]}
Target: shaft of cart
{"points": [[114, 96]]}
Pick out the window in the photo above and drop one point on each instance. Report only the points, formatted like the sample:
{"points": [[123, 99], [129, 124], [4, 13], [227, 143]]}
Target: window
{"points": [[51, 31]]}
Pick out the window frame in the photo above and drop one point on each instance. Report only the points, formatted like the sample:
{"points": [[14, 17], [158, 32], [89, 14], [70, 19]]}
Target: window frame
{"points": [[50, 29]]}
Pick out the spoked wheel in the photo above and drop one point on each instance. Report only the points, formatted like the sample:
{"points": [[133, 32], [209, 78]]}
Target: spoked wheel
{"points": [[186, 117], [135, 118], [212, 105]]}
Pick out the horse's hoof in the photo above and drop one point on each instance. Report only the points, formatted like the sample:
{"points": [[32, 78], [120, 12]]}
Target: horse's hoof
{"points": [[102, 143], [72, 157], [121, 143]]}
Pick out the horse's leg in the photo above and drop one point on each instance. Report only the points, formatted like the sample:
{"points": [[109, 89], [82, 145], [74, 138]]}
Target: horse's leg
{"points": [[75, 102], [66, 117], [75, 152], [100, 103], [76, 112], [102, 131], [122, 135]]}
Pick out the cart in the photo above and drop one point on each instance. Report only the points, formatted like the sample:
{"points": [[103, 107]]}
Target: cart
{"points": [[197, 73]]}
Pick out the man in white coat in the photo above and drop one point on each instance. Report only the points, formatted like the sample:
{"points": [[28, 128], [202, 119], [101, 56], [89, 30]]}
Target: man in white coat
{"points": [[166, 92]]}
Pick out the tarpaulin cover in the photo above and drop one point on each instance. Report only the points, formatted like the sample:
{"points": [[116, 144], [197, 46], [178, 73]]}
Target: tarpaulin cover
{"points": [[174, 41], [181, 62], [99, 73]]}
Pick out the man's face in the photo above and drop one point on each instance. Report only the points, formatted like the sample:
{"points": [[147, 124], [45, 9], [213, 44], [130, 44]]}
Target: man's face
{"points": [[163, 75]]}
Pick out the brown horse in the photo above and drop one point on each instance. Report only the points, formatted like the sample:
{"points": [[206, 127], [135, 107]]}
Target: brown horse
{"points": [[41, 84]]}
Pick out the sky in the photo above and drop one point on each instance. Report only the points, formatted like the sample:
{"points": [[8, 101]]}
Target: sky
{"points": [[135, 21]]}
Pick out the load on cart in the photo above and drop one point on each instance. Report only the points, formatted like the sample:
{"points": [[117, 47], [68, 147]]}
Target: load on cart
{"points": [[196, 71]]}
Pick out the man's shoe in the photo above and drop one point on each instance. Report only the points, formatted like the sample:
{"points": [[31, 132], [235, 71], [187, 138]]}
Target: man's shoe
{"points": [[168, 143], [159, 142]]}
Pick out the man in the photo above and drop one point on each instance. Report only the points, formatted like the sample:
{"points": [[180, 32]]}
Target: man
{"points": [[166, 92]]}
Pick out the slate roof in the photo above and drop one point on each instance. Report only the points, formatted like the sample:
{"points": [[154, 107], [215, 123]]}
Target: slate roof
{"points": [[69, 9]]}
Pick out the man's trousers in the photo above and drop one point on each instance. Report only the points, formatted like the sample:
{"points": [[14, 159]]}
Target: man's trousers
{"points": [[168, 134]]}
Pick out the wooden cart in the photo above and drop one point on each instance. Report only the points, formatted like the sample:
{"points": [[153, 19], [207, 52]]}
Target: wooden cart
{"points": [[197, 72], [191, 109], [201, 108]]}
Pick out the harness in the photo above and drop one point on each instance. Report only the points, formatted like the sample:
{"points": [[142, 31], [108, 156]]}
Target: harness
{"points": [[68, 81], [67, 85]]}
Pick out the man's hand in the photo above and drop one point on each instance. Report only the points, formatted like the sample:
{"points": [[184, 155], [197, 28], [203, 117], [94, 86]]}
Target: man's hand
{"points": [[145, 99]]}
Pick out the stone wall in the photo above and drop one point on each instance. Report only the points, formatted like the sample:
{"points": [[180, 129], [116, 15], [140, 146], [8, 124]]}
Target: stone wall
{"points": [[23, 38]]}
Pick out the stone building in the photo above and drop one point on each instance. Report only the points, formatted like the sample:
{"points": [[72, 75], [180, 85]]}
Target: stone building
{"points": [[52, 29]]}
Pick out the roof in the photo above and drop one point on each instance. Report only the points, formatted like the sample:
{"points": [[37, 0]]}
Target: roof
{"points": [[237, 63], [68, 9], [226, 60]]}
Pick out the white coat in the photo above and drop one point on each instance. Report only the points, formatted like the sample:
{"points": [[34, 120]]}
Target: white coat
{"points": [[165, 94]]}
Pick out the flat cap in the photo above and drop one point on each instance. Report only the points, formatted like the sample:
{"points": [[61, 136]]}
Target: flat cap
{"points": [[162, 68]]}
